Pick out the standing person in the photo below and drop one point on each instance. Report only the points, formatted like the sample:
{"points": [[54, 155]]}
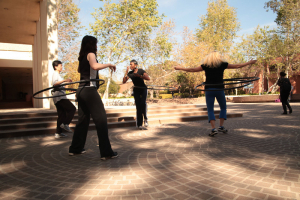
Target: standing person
{"points": [[140, 94], [285, 89], [90, 103], [214, 67], [65, 109]]}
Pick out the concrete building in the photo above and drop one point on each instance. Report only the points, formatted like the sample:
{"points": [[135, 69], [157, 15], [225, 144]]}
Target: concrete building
{"points": [[28, 45]]}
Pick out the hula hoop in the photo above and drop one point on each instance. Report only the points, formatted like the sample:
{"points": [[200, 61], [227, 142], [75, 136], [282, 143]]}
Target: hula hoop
{"points": [[58, 87], [239, 81], [156, 87]]}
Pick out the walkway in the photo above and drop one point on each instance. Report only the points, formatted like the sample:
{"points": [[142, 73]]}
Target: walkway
{"points": [[258, 159]]}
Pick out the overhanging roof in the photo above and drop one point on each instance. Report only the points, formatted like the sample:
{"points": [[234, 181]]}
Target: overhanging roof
{"points": [[18, 20]]}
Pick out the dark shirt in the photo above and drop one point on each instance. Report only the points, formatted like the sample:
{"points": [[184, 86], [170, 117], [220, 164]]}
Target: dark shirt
{"points": [[214, 75], [87, 72], [137, 81], [285, 85]]}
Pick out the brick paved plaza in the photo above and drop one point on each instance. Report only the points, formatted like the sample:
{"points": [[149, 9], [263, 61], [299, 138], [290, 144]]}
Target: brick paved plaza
{"points": [[258, 159]]}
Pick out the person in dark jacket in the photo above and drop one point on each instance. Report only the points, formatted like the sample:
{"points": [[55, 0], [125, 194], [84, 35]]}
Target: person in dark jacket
{"points": [[285, 89]]}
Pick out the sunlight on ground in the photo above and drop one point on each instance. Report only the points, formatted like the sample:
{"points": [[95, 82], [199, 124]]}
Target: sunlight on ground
{"points": [[9, 168], [283, 126], [49, 143], [255, 135], [251, 130], [18, 146]]}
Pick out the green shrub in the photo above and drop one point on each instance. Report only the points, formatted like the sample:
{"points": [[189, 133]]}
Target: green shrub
{"points": [[120, 97], [163, 92], [181, 95], [165, 96], [239, 92]]}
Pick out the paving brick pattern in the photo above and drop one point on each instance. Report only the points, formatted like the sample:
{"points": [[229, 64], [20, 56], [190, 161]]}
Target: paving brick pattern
{"points": [[258, 159]]}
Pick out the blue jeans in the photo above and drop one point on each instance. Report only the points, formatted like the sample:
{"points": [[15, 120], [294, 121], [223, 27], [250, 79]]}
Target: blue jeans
{"points": [[210, 100]]}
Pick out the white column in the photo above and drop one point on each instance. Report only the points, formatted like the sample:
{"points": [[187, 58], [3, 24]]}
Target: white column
{"points": [[45, 51]]}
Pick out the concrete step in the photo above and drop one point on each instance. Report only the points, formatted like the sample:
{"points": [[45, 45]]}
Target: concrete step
{"points": [[110, 112], [19, 125], [152, 122], [130, 113]]}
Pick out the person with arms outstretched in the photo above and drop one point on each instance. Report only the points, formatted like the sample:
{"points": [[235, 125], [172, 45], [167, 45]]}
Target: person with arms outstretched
{"points": [[214, 66]]}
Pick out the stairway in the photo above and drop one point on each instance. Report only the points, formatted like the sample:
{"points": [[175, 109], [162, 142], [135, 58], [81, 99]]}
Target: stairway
{"points": [[37, 123]]}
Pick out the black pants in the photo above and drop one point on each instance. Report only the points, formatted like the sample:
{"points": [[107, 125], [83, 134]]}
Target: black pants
{"points": [[140, 96], [65, 110], [284, 100], [90, 103]]}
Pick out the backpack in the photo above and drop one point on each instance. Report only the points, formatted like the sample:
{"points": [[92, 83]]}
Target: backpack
{"points": [[285, 85]]}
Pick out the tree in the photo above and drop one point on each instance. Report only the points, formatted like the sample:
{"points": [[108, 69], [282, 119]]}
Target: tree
{"points": [[68, 30], [113, 87], [190, 54], [219, 26], [158, 52], [261, 45], [70, 71], [121, 28], [288, 17]]}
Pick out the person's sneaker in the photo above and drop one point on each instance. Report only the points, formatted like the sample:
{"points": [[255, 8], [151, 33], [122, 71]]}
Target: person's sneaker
{"points": [[146, 123], [72, 154], [115, 154], [222, 129], [284, 113], [60, 135], [141, 128], [213, 132], [66, 128], [290, 111]]}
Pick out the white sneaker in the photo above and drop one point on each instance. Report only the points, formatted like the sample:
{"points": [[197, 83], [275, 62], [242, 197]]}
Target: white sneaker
{"points": [[66, 128], [140, 127], [146, 123], [60, 135]]}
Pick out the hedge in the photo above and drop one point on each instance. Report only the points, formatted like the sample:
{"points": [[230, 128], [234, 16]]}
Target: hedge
{"points": [[165, 96]]}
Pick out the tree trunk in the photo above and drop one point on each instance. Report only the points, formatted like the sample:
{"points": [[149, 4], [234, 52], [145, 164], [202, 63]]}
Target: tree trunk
{"points": [[151, 94], [105, 95]]}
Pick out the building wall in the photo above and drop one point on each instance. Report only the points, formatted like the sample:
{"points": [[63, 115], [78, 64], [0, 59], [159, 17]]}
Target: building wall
{"points": [[12, 91], [295, 82]]}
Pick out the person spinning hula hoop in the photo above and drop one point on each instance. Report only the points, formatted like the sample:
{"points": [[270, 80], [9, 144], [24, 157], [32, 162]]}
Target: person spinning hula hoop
{"points": [[214, 66], [65, 109], [139, 92], [90, 103]]}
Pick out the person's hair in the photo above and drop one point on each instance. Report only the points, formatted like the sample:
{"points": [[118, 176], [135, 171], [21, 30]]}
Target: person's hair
{"points": [[134, 61], [282, 74], [55, 63], [88, 45], [214, 59]]}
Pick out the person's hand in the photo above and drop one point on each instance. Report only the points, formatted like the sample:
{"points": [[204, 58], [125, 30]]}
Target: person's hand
{"points": [[128, 68], [175, 67], [112, 68], [252, 62], [68, 80]]}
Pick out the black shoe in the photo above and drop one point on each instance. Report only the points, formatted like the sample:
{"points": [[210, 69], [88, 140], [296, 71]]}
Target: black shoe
{"points": [[284, 113], [115, 154], [222, 129], [213, 132], [72, 154], [290, 111]]}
